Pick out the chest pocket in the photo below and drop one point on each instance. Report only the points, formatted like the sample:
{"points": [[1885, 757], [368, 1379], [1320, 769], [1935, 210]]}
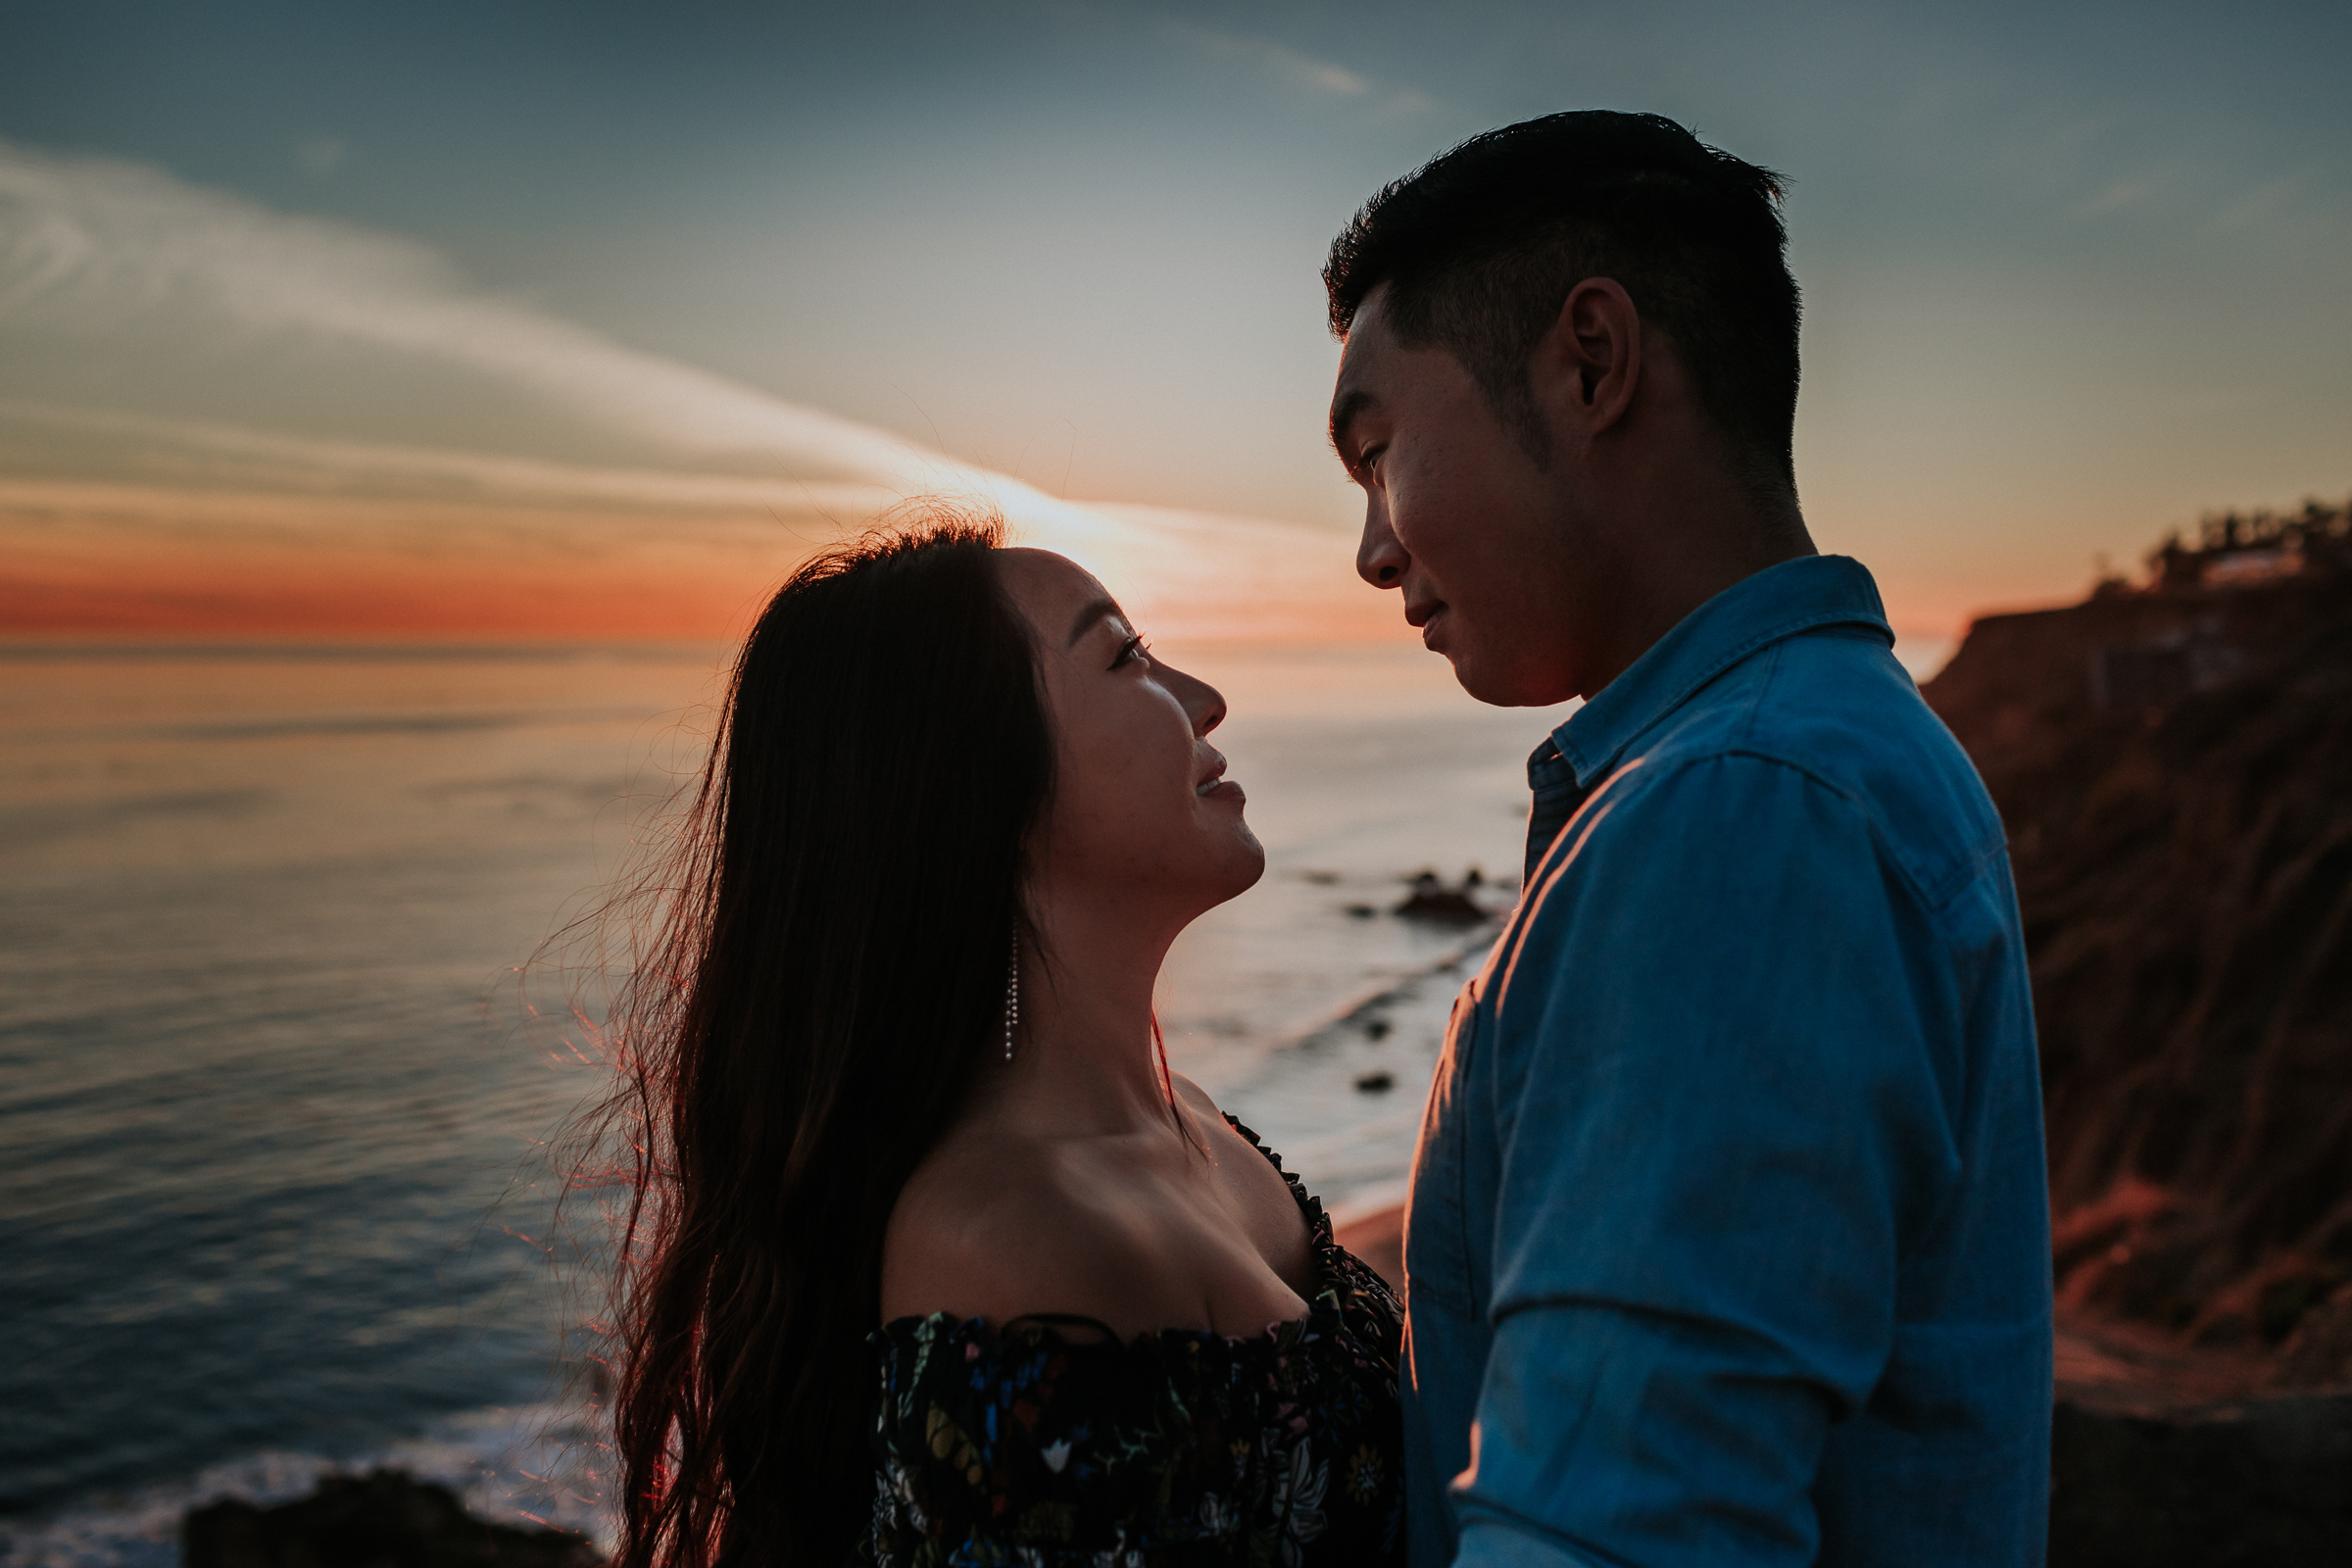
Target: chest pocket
{"points": [[1437, 1265]]}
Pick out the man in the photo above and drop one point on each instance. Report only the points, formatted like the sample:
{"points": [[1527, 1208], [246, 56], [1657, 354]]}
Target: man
{"points": [[1727, 1241]]}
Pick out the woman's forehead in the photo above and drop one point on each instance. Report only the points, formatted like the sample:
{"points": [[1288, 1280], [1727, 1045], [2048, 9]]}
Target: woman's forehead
{"points": [[1049, 587]]}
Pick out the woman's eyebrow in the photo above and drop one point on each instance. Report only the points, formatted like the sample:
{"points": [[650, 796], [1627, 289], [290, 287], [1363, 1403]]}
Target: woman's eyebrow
{"points": [[1094, 612]]}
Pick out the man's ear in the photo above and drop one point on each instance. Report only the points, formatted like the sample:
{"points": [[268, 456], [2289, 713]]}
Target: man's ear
{"points": [[1587, 367]]}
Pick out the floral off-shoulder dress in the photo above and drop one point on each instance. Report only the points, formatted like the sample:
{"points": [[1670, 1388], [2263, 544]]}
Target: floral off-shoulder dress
{"points": [[1050, 1446]]}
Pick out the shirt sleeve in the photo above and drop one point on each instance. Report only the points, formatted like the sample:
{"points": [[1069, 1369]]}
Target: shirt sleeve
{"points": [[1729, 1106]]}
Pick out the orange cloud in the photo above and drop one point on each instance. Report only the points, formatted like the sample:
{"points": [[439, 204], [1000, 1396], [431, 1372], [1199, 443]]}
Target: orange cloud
{"points": [[88, 557], [86, 560]]}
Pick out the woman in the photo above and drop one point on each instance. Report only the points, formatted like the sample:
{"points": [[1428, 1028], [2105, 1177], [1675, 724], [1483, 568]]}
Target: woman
{"points": [[933, 1260]]}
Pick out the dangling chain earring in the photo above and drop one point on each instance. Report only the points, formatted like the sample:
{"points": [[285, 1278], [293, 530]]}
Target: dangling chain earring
{"points": [[1013, 994]]}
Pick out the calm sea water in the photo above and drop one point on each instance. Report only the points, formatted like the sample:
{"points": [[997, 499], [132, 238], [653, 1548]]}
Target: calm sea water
{"points": [[272, 1181]]}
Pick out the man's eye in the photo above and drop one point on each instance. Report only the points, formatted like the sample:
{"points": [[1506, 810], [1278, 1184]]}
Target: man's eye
{"points": [[1370, 460], [1133, 649]]}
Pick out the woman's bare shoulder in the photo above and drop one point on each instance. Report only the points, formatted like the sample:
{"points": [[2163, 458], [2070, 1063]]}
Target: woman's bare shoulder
{"points": [[1196, 1096], [1225, 1138], [1006, 1232]]}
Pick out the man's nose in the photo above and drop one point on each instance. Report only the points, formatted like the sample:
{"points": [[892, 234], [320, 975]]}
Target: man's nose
{"points": [[1379, 558]]}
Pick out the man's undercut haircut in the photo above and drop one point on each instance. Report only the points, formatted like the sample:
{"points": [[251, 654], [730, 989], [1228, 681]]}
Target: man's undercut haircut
{"points": [[1480, 249]]}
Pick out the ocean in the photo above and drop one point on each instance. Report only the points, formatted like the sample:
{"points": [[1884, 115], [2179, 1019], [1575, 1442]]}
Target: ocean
{"points": [[274, 1121]]}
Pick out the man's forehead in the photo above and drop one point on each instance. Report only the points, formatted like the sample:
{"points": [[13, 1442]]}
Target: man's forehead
{"points": [[1371, 311], [1368, 333], [1360, 361]]}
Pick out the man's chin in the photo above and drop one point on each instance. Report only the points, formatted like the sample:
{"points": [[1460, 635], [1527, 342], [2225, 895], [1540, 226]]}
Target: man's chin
{"points": [[1478, 680], [1497, 687]]}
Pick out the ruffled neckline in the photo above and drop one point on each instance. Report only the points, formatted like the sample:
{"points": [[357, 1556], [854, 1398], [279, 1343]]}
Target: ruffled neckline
{"points": [[1325, 1308]]}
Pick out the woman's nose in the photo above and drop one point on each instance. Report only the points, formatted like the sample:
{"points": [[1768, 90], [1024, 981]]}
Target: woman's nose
{"points": [[1203, 702], [1212, 710]]}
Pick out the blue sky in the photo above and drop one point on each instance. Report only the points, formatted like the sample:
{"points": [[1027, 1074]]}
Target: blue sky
{"points": [[2073, 273]]}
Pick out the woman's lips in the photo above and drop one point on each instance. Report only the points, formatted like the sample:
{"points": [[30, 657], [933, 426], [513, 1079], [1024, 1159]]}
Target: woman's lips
{"points": [[1213, 785]]}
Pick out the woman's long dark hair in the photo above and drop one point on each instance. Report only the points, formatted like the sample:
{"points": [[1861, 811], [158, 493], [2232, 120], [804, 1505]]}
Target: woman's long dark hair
{"points": [[829, 972]]}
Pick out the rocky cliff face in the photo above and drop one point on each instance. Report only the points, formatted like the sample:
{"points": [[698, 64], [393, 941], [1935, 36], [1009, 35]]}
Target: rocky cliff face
{"points": [[2174, 766]]}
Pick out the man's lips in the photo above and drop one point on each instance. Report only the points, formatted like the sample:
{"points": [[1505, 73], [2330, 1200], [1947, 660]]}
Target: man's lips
{"points": [[1418, 614]]}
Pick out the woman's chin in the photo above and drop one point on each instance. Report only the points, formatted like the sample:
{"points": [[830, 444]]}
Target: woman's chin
{"points": [[1250, 865], [1233, 862]]}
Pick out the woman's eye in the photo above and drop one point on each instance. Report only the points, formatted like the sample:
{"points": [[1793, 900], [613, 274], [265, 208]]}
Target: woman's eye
{"points": [[1133, 649]]}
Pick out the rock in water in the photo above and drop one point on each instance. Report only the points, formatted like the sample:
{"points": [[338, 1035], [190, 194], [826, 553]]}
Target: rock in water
{"points": [[382, 1520], [1433, 900]]}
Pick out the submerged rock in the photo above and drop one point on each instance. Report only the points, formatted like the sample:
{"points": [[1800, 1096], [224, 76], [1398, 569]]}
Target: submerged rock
{"points": [[382, 1520]]}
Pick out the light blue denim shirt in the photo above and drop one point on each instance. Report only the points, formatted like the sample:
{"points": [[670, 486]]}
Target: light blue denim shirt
{"points": [[1728, 1239]]}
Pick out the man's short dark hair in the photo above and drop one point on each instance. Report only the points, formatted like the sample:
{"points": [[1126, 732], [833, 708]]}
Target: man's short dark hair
{"points": [[1480, 249]]}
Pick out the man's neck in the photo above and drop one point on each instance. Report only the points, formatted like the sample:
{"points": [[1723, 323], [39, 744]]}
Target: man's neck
{"points": [[1674, 540]]}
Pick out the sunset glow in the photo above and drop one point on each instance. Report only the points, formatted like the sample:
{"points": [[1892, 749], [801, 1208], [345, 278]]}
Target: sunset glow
{"points": [[316, 385]]}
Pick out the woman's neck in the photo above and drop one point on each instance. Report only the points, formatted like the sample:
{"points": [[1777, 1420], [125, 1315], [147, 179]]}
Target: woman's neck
{"points": [[1083, 1058]]}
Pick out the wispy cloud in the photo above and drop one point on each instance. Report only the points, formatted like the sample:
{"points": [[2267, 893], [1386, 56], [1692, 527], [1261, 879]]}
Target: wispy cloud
{"points": [[1279, 61], [156, 510], [2263, 202], [47, 439], [1290, 69], [2123, 195], [322, 154], [112, 251]]}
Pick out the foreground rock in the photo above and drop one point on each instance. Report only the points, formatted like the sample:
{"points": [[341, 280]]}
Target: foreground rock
{"points": [[2162, 1455], [2267, 1482], [382, 1520]]}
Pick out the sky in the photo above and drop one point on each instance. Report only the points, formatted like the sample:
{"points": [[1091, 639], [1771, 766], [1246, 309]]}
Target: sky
{"points": [[534, 318]]}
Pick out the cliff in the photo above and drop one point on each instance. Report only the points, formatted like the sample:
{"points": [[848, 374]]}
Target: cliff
{"points": [[2173, 764]]}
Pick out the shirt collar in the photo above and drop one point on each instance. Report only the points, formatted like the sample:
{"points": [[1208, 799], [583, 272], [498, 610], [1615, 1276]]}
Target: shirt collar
{"points": [[1753, 613]]}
